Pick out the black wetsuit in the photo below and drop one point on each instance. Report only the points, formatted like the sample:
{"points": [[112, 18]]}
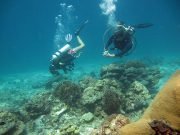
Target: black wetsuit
{"points": [[122, 40], [64, 62]]}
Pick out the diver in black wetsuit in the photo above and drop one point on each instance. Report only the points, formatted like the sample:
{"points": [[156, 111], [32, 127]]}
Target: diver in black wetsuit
{"points": [[122, 39]]}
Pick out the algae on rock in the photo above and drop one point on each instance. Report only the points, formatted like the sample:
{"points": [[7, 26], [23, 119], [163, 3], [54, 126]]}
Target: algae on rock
{"points": [[10, 124]]}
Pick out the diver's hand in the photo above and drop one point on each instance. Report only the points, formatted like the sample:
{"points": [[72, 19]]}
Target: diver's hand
{"points": [[107, 54]]}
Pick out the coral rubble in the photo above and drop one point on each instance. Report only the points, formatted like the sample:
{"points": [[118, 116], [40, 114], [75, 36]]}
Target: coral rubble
{"points": [[111, 125], [69, 129], [37, 106]]}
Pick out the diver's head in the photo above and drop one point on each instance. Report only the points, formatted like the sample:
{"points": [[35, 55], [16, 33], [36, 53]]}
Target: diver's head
{"points": [[120, 28], [119, 23], [130, 30]]}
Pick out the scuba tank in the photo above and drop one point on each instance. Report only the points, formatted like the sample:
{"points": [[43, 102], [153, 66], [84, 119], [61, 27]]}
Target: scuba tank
{"points": [[61, 51], [64, 49]]}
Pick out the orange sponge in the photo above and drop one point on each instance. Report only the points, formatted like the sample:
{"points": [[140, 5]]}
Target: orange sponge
{"points": [[165, 106]]}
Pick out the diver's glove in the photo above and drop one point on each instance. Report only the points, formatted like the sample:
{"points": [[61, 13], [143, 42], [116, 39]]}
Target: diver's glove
{"points": [[107, 54]]}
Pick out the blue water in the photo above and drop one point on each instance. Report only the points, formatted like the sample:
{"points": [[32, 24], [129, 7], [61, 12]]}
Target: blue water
{"points": [[27, 30]]}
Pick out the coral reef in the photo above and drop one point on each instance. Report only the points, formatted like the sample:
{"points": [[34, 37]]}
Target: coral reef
{"points": [[136, 97], [95, 92], [132, 71], [135, 64], [108, 95], [81, 105], [68, 92], [10, 124], [99, 112], [51, 122], [38, 106], [49, 84], [69, 129], [87, 117], [111, 102], [132, 102], [91, 96], [104, 94], [164, 107], [111, 125], [162, 128], [87, 81]]}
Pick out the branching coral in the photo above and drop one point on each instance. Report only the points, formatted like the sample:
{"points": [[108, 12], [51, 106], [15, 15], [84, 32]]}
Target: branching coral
{"points": [[68, 92], [111, 102]]}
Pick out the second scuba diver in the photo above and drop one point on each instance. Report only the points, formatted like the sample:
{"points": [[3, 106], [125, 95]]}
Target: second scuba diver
{"points": [[122, 39]]}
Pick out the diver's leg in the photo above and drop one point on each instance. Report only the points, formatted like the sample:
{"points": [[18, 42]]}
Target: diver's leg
{"points": [[53, 70]]}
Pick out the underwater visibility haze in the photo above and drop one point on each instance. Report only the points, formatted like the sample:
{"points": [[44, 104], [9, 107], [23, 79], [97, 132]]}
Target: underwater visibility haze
{"points": [[85, 90], [28, 29]]}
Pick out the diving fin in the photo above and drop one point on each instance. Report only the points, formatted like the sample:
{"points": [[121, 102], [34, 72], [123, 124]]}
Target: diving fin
{"points": [[80, 28], [142, 25]]}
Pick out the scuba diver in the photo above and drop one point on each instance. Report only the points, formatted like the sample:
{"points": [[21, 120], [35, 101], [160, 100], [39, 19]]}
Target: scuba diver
{"points": [[65, 56], [122, 39]]}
